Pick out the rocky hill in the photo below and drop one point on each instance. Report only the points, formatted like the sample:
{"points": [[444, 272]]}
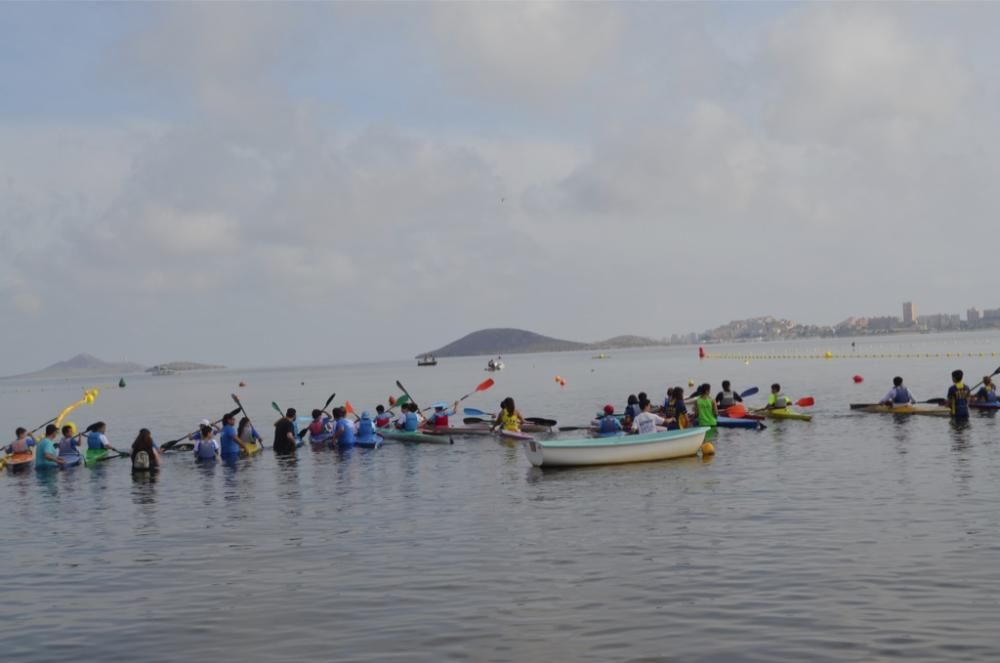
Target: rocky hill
{"points": [[519, 341], [84, 365]]}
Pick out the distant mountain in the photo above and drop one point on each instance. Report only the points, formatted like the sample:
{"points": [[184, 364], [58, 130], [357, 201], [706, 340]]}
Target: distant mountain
{"points": [[182, 366], [84, 365], [519, 341]]}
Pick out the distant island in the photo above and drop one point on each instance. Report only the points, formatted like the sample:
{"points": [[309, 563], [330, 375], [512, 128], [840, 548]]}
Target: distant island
{"points": [[85, 365], [177, 366], [520, 341]]}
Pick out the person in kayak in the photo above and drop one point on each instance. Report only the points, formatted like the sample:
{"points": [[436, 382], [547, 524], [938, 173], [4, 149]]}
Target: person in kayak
{"points": [[958, 396], [285, 433], [248, 434], [22, 442], [440, 417], [988, 392], [898, 395], [608, 424], [727, 398], [777, 400], [646, 421], [343, 429], [366, 428], [145, 454], [69, 445], [382, 418], [46, 456], [207, 447], [708, 411], [508, 418], [97, 438], [409, 418], [320, 428], [231, 448]]}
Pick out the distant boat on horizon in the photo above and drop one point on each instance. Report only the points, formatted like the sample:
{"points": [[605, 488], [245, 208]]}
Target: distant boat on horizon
{"points": [[427, 360]]}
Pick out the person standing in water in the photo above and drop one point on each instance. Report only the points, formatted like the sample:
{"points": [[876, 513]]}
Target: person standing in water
{"points": [[22, 443], [145, 455], [706, 408], [46, 456], [958, 396], [284, 433], [207, 447]]}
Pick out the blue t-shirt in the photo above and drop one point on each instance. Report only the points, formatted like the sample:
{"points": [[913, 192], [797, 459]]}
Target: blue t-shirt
{"points": [[344, 432], [609, 424], [228, 441], [46, 446]]}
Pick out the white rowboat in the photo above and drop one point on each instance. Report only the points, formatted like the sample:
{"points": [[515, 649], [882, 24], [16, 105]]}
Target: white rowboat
{"points": [[661, 445]]}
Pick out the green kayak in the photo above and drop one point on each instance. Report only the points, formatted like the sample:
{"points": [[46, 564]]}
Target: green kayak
{"points": [[413, 436], [91, 456]]}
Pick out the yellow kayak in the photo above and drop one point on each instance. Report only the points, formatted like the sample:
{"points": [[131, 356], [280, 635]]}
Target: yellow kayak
{"points": [[932, 410], [785, 413], [252, 449]]}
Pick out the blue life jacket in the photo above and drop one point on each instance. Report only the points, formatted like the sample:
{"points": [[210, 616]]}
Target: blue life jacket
{"points": [[412, 423], [204, 450], [609, 424], [901, 395], [366, 430], [94, 441]]}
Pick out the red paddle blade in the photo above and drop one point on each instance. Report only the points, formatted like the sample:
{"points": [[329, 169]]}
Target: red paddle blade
{"points": [[348, 407], [392, 400], [808, 401], [737, 411], [485, 384]]}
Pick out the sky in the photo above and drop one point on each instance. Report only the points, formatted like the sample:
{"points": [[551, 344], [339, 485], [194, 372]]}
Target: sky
{"points": [[266, 184]]}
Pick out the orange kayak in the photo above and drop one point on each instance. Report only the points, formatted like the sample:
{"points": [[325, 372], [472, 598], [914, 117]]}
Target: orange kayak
{"points": [[20, 460]]}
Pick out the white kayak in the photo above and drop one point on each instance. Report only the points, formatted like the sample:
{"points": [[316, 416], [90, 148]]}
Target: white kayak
{"points": [[661, 445]]}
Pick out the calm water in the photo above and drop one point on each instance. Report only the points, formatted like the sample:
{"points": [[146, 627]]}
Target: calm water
{"points": [[851, 537]]}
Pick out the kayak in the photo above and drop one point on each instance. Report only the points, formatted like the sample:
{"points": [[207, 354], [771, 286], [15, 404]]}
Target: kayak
{"points": [[982, 406], [252, 450], [876, 408], [412, 436], [19, 461], [613, 450], [729, 422], [458, 431], [92, 456], [785, 413], [71, 460], [373, 443], [515, 435]]}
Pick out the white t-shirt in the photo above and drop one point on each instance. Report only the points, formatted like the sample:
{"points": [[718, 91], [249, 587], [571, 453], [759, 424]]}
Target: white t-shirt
{"points": [[647, 422]]}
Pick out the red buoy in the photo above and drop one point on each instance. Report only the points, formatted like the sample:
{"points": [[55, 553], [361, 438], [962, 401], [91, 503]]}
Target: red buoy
{"points": [[701, 352], [858, 379]]}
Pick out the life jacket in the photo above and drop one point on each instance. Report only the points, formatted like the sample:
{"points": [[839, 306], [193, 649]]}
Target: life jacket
{"points": [[382, 420], [204, 450], [411, 422], [440, 420], [728, 399], [901, 395], [140, 460], [781, 402], [94, 441], [609, 424], [509, 421], [366, 430], [346, 429], [19, 446], [67, 446], [960, 400]]}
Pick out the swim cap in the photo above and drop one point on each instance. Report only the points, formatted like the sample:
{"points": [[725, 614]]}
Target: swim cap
{"points": [[609, 409]]}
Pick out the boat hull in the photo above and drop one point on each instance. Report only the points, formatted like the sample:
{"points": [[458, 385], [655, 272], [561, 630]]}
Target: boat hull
{"points": [[929, 410], [616, 450], [787, 414]]}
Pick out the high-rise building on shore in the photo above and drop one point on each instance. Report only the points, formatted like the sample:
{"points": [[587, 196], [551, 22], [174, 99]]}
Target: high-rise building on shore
{"points": [[973, 314], [909, 314]]}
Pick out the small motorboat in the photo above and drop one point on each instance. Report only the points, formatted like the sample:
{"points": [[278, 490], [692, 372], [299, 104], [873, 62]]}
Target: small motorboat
{"points": [[661, 445]]}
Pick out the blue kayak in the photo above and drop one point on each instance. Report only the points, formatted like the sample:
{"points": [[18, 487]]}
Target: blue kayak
{"points": [[729, 422], [71, 459], [374, 443]]}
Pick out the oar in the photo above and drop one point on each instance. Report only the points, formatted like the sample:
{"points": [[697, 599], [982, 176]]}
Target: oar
{"points": [[482, 386], [749, 392], [980, 382], [171, 443], [805, 401], [406, 393], [534, 420]]}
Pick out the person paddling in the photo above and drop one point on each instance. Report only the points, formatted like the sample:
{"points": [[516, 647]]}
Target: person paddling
{"points": [[284, 433], [608, 424], [988, 392], [898, 395], [409, 418], [45, 451], [320, 428], [366, 428], [97, 440], [441, 413], [207, 447], [727, 398], [508, 418], [646, 422], [706, 408], [382, 418], [69, 445], [777, 400], [958, 396], [145, 454], [247, 434], [22, 443]]}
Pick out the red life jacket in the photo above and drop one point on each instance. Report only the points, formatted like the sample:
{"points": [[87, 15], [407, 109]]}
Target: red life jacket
{"points": [[440, 420]]}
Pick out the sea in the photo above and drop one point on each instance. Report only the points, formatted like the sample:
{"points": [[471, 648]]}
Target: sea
{"points": [[850, 537]]}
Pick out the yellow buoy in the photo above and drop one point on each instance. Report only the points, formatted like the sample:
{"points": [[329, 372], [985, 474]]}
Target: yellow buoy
{"points": [[707, 449], [690, 382]]}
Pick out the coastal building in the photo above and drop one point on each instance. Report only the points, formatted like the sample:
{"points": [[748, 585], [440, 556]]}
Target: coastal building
{"points": [[973, 314], [909, 314]]}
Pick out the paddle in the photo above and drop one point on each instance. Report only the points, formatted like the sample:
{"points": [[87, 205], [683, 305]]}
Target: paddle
{"points": [[171, 443], [540, 421], [482, 386], [473, 412], [749, 392], [406, 393], [805, 401]]}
